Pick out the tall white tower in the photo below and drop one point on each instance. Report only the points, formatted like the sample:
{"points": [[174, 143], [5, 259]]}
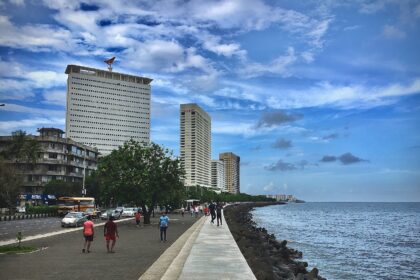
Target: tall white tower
{"points": [[195, 145], [105, 109], [232, 172]]}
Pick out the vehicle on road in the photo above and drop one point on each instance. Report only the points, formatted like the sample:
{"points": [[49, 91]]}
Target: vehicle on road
{"points": [[129, 212], [74, 204], [94, 213], [21, 209], [111, 212], [120, 209], [73, 219]]}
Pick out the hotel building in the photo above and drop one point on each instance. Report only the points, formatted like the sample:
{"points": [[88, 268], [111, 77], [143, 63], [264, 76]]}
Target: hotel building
{"points": [[106, 109], [195, 145], [232, 172], [218, 175]]}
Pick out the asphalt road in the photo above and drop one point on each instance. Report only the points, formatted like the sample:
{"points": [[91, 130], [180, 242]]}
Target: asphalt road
{"points": [[62, 257], [28, 227]]}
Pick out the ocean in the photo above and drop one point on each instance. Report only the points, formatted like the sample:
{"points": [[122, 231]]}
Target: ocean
{"points": [[350, 240]]}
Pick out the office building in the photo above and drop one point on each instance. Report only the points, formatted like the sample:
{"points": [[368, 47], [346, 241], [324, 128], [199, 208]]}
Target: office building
{"points": [[232, 171], [106, 109], [195, 145], [58, 159], [218, 175]]}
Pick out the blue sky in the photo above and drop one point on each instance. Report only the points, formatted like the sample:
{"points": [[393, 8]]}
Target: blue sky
{"points": [[320, 99]]}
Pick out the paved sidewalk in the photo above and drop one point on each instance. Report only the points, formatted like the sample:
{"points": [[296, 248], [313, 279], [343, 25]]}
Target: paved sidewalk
{"points": [[209, 252]]}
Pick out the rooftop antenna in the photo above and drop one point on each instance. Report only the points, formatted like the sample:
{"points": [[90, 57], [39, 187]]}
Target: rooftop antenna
{"points": [[109, 62]]}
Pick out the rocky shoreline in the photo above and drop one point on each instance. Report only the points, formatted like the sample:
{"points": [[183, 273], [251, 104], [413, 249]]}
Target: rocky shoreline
{"points": [[267, 257]]}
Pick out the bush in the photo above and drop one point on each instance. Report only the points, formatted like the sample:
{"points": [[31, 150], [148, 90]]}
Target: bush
{"points": [[42, 209]]}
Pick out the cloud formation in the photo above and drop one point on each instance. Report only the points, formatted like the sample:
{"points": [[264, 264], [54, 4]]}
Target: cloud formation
{"points": [[282, 144], [345, 159], [276, 118]]}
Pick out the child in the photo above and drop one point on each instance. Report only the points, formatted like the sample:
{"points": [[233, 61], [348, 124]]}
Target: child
{"points": [[138, 218]]}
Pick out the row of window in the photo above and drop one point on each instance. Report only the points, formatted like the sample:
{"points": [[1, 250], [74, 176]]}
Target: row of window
{"points": [[106, 123], [113, 89], [103, 82], [101, 97], [113, 104], [108, 114], [110, 129], [107, 108], [103, 139], [109, 134]]}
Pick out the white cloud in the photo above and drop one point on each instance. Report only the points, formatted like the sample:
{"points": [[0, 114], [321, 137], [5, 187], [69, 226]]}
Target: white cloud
{"points": [[270, 187], [30, 125], [392, 32], [35, 37], [55, 97], [10, 107], [278, 66]]}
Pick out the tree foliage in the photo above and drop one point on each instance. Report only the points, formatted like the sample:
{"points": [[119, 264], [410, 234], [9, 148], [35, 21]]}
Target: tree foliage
{"points": [[10, 183], [140, 174]]}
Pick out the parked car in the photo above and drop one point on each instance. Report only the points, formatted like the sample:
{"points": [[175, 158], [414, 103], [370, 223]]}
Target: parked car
{"points": [[112, 212], [129, 212], [73, 219], [120, 209]]}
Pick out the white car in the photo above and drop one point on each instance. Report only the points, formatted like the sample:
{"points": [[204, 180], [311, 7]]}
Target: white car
{"points": [[129, 212], [73, 219]]}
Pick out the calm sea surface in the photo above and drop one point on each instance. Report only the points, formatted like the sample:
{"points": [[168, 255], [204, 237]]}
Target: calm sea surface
{"points": [[350, 240]]}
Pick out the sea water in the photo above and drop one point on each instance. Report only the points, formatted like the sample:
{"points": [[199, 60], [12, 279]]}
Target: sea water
{"points": [[350, 240]]}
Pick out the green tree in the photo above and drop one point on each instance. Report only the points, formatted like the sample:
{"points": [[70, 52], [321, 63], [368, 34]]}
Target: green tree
{"points": [[141, 174], [21, 153]]}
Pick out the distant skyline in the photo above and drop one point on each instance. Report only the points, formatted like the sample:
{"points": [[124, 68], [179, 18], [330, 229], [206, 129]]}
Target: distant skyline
{"points": [[320, 99]]}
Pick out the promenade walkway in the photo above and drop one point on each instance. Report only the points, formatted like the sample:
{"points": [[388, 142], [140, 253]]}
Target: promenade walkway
{"points": [[205, 251]]}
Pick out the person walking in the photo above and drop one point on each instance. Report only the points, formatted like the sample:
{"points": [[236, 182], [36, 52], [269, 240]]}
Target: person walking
{"points": [[219, 208], [110, 233], [163, 225], [182, 211], [88, 233], [212, 208], [138, 218]]}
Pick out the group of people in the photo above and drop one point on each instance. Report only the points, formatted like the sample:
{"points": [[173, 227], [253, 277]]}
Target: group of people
{"points": [[111, 231], [110, 234]]}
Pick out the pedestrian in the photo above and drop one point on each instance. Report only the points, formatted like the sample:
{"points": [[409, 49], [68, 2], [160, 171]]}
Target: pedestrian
{"points": [[88, 233], [212, 208], [192, 210], [219, 208], [138, 217], [110, 233], [163, 225], [196, 211], [182, 211]]}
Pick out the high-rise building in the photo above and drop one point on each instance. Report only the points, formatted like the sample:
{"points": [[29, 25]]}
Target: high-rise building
{"points": [[232, 172], [218, 175], [195, 145], [106, 109]]}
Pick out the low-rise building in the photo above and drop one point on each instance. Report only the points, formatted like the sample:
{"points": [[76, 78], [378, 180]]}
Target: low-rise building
{"points": [[58, 159]]}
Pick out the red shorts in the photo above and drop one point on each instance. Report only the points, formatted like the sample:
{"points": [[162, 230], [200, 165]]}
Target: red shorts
{"points": [[110, 237]]}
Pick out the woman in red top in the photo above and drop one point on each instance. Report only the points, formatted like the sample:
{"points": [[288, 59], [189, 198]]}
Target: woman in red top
{"points": [[88, 234], [110, 233]]}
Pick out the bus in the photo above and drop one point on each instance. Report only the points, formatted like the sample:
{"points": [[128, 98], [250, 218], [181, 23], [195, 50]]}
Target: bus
{"points": [[75, 204]]}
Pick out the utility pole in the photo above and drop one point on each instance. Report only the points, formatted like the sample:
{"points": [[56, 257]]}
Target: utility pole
{"points": [[84, 174]]}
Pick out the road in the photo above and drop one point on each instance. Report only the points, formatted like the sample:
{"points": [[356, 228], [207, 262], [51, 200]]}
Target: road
{"points": [[28, 227], [61, 255]]}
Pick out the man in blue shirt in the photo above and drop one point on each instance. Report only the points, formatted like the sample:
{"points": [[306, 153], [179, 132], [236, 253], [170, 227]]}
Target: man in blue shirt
{"points": [[163, 224]]}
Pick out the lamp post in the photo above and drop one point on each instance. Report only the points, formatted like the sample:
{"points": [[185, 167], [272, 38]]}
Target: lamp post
{"points": [[84, 174]]}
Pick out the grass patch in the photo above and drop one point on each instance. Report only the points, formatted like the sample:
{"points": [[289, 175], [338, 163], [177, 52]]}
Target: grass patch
{"points": [[13, 249]]}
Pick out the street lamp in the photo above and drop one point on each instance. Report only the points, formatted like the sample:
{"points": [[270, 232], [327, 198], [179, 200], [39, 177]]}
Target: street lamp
{"points": [[84, 174]]}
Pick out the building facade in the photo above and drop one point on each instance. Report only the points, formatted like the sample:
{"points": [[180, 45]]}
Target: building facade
{"points": [[106, 109], [232, 172], [195, 145], [218, 175], [58, 159]]}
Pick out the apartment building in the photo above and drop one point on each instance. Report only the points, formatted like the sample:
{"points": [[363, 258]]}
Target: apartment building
{"points": [[232, 171], [195, 145], [105, 108], [218, 175]]}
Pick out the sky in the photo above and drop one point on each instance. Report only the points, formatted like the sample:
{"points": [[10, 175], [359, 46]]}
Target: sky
{"points": [[320, 99]]}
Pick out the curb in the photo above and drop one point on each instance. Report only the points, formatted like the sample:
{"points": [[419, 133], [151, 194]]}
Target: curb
{"points": [[169, 265], [25, 216]]}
